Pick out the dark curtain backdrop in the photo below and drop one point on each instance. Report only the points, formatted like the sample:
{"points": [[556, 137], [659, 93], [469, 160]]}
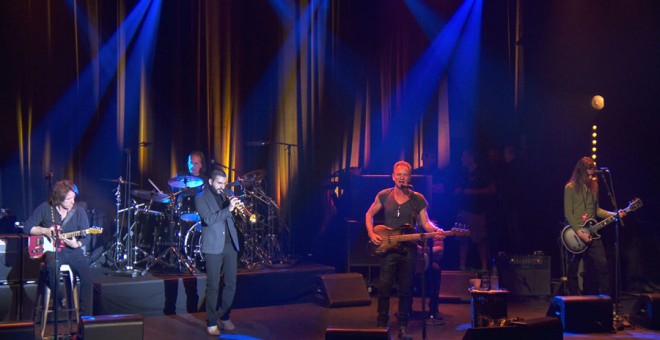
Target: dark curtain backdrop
{"points": [[330, 85]]}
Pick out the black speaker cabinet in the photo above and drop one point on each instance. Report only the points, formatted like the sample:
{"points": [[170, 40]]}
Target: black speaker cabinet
{"points": [[646, 311], [19, 330], [490, 333], [342, 290], [546, 328], [527, 275], [332, 333], [583, 314], [110, 327]]}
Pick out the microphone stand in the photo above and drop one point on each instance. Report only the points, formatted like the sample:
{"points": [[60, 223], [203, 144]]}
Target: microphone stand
{"points": [[618, 322], [424, 249], [288, 212], [128, 270]]}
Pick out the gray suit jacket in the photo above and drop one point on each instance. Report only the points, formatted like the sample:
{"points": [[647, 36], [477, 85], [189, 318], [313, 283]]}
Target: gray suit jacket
{"points": [[214, 220]]}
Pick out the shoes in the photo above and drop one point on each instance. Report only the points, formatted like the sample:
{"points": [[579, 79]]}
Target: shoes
{"points": [[436, 316], [213, 330], [226, 325], [403, 332]]}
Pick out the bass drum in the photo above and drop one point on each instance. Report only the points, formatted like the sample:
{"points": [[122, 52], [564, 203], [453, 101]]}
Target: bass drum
{"points": [[192, 246]]}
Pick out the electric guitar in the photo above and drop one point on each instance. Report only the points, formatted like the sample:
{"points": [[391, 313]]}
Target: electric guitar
{"points": [[39, 244], [573, 243], [392, 238]]}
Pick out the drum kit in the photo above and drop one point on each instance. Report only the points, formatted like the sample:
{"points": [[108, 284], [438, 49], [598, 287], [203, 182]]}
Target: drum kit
{"points": [[166, 230]]}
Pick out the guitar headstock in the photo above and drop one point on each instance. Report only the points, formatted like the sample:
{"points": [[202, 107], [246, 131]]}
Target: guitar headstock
{"points": [[94, 231], [635, 204], [460, 231]]}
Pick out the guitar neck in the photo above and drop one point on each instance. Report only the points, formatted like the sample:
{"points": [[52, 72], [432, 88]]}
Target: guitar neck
{"points": [[415, 237], [73, 234]]}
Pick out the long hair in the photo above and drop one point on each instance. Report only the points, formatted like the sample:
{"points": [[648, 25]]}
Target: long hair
{"points": [[580, 177], [60, 190]]}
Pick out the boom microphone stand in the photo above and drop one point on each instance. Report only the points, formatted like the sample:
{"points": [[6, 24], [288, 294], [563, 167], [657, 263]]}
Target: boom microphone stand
{"points": [[618, 321]]}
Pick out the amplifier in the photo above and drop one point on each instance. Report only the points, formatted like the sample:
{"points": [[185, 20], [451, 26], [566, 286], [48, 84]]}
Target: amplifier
{"points": [[525, 275]]}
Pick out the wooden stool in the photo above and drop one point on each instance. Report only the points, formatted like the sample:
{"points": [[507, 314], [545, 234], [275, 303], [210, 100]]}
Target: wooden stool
{"points": [[43, 307]]}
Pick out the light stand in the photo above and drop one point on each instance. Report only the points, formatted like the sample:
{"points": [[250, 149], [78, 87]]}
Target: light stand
{"points": [[618, 320]]}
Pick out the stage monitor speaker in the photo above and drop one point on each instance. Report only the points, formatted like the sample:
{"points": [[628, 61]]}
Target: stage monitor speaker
{"points": [[490, 333], [583, 314], [545, 328], [646, 311], [342, 290], [110, 327], [332, 333], [19, 330], [527, 275]]}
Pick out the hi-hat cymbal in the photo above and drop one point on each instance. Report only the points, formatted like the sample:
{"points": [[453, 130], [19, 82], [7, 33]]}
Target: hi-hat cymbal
{"points": [[185, 181], [254, 174], [120, 180], [151, 195]]}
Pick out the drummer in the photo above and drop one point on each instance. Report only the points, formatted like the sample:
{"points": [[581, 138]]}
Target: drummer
{"points": [[197, 165]]}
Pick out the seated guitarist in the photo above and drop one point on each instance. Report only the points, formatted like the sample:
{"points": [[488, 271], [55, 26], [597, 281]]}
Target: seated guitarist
{"points": [[60, 215], [402, 207], [581, 205]]}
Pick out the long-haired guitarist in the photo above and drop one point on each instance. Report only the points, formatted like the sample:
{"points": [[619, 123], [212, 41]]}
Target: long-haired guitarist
{"points": [[581, 205], [60, 215], [402, 207]]}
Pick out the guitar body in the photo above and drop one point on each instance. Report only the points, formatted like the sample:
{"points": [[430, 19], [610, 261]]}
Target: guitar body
{"points": [[572, 242], [39, 244], [390, 242], [394, 240]]}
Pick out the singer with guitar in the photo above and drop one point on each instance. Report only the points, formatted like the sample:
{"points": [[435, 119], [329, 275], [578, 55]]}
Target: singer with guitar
{"points": [[402, 207], [581, 205], [61, 215]]}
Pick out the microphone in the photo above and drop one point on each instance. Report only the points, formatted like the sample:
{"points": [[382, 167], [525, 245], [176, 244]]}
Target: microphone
{"points": [[601, 170], [406, 186], [258, 143]]}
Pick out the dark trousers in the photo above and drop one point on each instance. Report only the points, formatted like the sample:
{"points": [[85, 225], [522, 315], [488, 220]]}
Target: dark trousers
{"points": [[433, 276], [227, 264], [401, 266], [79, 263], [596, 261]]}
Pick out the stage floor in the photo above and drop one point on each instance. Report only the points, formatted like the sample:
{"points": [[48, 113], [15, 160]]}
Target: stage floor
{"points": [[309, 321]]}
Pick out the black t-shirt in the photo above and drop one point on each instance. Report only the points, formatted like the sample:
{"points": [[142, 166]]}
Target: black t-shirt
{"points": [[397, 215]]}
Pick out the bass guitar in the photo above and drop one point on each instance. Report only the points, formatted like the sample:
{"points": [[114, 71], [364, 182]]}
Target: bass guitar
{"points": [[39, 244], [574, 244], [392, 238]]}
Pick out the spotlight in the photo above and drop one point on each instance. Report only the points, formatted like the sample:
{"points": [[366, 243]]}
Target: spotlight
{"points": [[598, 102]]}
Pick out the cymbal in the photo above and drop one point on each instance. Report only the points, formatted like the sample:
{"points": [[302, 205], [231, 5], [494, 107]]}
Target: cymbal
{"points": [[120, 180], [151, 195], [254, 174], [185, 181]]}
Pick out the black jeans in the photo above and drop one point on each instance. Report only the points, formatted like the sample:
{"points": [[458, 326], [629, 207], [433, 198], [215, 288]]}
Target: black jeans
{"points": [[227, 263], [402, 266], [596, 260], [79, 263]]}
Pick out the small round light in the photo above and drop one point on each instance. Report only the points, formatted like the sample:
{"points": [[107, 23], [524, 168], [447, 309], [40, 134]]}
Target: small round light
{"points": [[598, 102]]}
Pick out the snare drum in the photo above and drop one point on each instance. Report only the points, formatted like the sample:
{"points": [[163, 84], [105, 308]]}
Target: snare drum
{"points": [[185, 208]]}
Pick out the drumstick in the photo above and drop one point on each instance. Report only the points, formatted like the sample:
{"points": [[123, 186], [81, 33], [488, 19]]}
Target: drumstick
{"points": [[154, 185]]}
